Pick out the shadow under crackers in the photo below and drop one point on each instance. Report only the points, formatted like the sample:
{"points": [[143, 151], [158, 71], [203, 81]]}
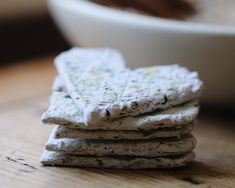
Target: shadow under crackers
{"points": [[195, 173]]}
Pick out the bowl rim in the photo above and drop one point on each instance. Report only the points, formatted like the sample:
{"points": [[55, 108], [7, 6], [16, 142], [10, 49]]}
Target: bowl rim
{"points": [[132, 19]]}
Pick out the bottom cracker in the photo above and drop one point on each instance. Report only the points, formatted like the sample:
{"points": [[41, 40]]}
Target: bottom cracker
{"points": [[50, 158]]}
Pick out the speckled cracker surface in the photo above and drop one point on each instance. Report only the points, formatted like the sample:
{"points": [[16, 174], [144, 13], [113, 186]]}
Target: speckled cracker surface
{"points": [[63, 111], [50, 158], [104, 89], [146, 148], [64, 132]]}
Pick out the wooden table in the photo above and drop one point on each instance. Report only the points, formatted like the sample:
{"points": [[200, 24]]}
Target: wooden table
{"points": [[24, 95]]}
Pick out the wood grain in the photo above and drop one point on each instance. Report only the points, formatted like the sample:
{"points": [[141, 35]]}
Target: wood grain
{"points": [[24, 93]]}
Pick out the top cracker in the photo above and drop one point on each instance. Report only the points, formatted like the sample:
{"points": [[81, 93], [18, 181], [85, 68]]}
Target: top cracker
{"points": [[104, 89]]}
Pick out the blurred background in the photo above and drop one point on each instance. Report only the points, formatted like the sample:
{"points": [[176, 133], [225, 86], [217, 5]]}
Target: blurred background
{"points": [[27, 31]]}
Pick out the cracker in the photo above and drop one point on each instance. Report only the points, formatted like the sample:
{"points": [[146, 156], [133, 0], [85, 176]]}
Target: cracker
{"points": [[104, 89], [63, 111], [146, 148], [64, 132], [50, 158]]}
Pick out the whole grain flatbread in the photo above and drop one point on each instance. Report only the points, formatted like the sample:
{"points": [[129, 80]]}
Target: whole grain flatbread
{"points": [[50, 158], [64, 132], [146, 148], [103, 89], [63, 111]]}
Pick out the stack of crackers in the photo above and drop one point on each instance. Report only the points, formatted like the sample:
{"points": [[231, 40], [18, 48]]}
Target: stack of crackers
{"points": [[108, 116]]}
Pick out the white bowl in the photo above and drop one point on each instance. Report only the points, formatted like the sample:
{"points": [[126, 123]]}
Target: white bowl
{"points": [[146, 41]]}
